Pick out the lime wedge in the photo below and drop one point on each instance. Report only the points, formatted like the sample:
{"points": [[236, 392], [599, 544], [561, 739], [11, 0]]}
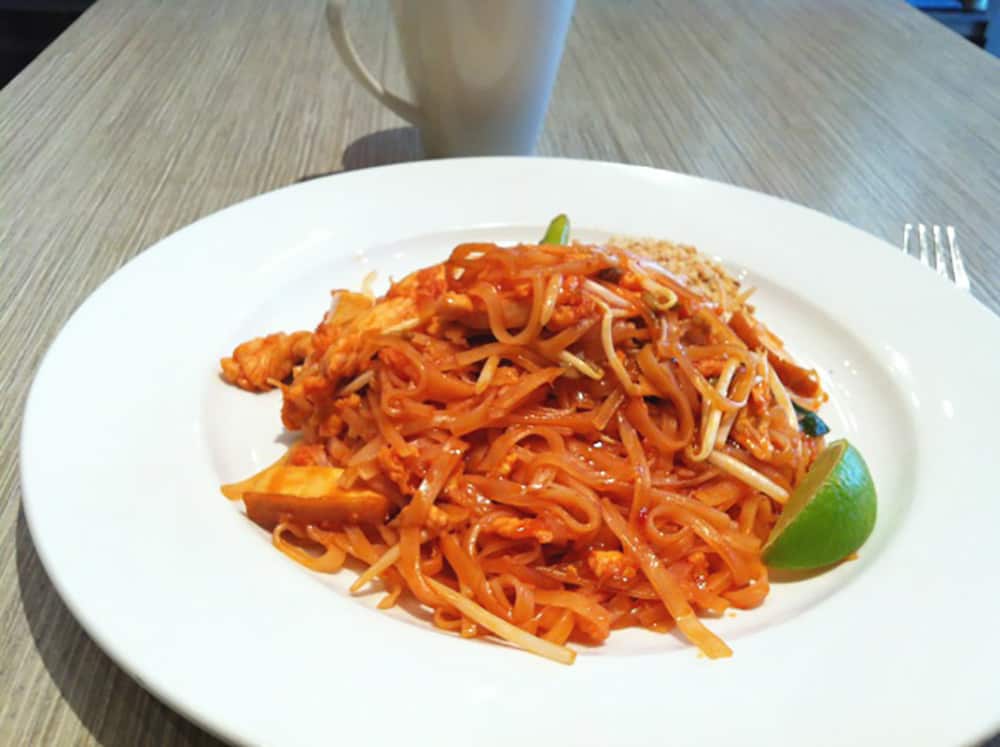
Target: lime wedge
{"points": [[829, 515]]}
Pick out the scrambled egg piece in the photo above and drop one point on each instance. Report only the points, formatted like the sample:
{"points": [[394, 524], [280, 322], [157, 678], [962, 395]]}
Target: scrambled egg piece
{"points": [[612, 565]]}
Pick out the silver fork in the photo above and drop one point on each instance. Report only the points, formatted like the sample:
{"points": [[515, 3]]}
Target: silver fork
{"points": [[922, 252]]}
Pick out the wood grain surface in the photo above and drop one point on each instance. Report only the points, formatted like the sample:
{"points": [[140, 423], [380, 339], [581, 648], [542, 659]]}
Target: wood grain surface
{"points": [[146, 115]]}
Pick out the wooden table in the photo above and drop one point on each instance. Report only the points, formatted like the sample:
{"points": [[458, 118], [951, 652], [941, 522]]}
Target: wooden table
{"points": [[145, 116]]}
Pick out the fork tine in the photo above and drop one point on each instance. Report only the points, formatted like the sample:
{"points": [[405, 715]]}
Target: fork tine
{"points": [[925, 258], [907, 233], [939, 252], [957, 265]]}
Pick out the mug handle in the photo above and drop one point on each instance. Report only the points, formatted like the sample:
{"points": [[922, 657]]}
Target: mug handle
{"points": [[345, 47]]}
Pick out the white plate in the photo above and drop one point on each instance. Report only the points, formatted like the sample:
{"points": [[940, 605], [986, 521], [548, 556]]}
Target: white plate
{"points": [[129, 431]]}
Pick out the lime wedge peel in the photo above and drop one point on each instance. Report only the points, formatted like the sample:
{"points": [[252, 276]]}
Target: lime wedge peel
{"points": [[829, 515]]}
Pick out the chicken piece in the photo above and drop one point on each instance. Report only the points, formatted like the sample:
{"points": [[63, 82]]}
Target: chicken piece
{"points": [[343, 358], [424, 286], [342, 344], [802, 381], [395, 469], [612, 565], [752, 436], [257, 365], [344, 307], [437, 519], [454, 304], [567, 316], [760, 396], [572, 305], [298, 405]]}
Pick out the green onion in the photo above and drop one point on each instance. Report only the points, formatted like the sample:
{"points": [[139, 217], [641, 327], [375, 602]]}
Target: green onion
{"points": [[558, 231], [810, 423]]}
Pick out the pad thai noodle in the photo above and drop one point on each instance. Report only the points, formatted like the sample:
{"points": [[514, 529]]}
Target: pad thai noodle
{"points": [[541, 443]]}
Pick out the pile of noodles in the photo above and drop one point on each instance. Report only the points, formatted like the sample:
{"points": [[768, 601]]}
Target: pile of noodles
{"points": [[543, 443]]}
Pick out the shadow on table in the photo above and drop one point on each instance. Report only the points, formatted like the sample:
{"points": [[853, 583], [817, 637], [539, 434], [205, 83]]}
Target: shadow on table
{"points": [[398, 145], [110, 705]]}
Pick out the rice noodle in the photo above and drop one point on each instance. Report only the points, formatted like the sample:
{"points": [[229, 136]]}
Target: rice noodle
{"points": [[502, 628], [667, 589], [462, 439], [388, 559]]}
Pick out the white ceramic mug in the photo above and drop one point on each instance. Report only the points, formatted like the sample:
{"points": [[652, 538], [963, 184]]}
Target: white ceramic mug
{"points": [[481, 70]]}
